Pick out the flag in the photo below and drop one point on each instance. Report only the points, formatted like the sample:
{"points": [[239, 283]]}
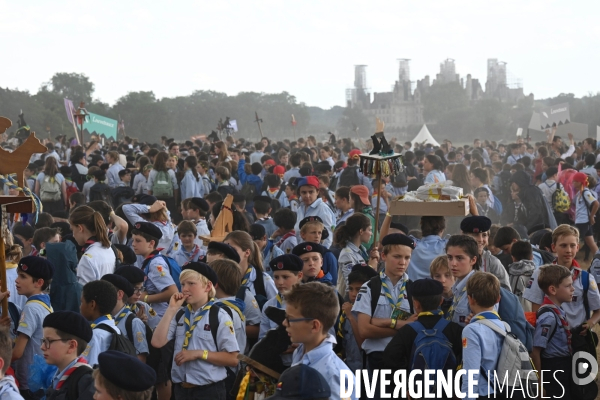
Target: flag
{"points": [[70, 108], [233, 125], [121, 126], [293, 120]]}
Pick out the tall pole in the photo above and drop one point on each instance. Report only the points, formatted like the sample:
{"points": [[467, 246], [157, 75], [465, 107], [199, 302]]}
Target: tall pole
{"points": [[258, 121]]}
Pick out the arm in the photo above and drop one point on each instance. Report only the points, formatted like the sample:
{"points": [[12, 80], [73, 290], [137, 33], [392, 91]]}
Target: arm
{"points": [[536, 357], [37, 188], [593, 212], [220, 358], [385, 226], [19, 349], [150, 181], [161, 333], [368, 330], [63, 189], [354, 323], [133, 211], [120, 226], [252, 331], [161, 297], [241, 171]]}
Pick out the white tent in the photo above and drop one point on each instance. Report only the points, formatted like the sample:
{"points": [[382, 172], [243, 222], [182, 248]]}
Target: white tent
{"points": [[424, 136]]}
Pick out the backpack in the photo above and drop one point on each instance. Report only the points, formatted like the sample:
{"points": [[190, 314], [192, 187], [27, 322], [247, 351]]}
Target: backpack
{"points": [[174, 268], [50, 189], [101, 191], [375, 285], [513, 362], [560, 199], [432, 349], [73, 379], [119, 342], [349, 177], [249, 191], [518, 283], [511, 312], [162, 186], [71, 188], [121, 194], [153, 358], [78, 178], [213, 186]]}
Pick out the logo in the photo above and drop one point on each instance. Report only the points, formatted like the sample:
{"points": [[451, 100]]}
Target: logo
{"points": [[138, 225], [308, 248], [279, 265], [464, 343], [207, 327], [24, 267], [584, 368], [475, 230]]}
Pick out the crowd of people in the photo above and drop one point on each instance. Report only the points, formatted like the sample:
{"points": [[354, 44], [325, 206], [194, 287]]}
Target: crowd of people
{"points": [[119, 272]]}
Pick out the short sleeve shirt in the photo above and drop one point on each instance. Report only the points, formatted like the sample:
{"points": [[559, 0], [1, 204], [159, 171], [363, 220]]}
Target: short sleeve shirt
{"points": [[30, 324], [550, 335], [159, 279]]}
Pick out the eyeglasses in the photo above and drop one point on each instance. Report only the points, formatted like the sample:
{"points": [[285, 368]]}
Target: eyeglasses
{"points": [[289, 321], [137, 290], [47, 342]]}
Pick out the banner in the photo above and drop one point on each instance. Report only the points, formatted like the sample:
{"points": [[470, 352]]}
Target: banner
{"points": [[99, 125], [70, 108], [233, 125], [554, 116]]}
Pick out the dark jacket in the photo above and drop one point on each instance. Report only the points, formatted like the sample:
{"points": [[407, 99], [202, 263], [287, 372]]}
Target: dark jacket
{"points": [[532, 199], [65, 291], [85, 389]]}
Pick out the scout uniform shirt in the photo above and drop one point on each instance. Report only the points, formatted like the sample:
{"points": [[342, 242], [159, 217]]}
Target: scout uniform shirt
{"points": [[35, 310], [152, 318], [138, 330], [199, 372], [239, 321], [100, 340], [383, 310], [182, 256], [158, 279], [354, 358], [349, 257], [250, 277], [551, 335], [575, 308], [318, 209], [95, 262], [9, 389]]}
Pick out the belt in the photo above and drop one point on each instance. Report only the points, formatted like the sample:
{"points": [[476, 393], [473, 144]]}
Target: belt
{"points": [[187, 385]]}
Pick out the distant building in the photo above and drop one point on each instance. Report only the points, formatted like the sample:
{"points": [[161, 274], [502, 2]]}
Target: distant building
{"points": [[500, 84]]}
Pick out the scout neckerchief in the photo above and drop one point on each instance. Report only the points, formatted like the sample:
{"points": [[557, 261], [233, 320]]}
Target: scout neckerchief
{"points": [[234, 306], [279, 300], [42, 299], [284, 237], [126, 310], [487, 315], [350, 211], [88, 243], [575, 268], [455, 302], [190, 326], [192, 253], [434, 312], [388, 293], [103, 318], [340, 326], [246, 277], [565, 324], [80, 361]]}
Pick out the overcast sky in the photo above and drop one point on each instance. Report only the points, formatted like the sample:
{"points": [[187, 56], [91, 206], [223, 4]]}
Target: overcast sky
{"points": [[308, 48]]}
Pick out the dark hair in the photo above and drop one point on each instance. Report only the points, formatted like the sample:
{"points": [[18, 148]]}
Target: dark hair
{"points": [[357, 277], [256, 168], [429, 303], [351, 228], [468, 245], [103, 208], [343, 192], [192, 162], [481, 174], [92, 220], [432, 225], [506, 235], [160, 161], [103, 293], [229, 275], [521, 250], [315, 300], [42, 235], [435, 161], [50, 167], [187, 227], [284, 218], [262, 207]]}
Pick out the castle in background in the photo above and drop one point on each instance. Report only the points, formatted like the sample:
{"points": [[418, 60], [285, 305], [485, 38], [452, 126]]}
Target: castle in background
{"points": [[402, 107]]}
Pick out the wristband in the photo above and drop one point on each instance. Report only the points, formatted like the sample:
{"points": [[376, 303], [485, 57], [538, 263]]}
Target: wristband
{"points": [[205, 355], [393, 324], [146, 299]]}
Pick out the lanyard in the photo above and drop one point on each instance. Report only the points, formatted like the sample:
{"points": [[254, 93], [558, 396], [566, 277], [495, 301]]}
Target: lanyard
{"points": [[388, 293], [103, 318], [191, 326]]}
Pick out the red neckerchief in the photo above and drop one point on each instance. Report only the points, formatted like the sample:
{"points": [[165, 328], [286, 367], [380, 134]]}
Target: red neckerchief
{"points": [[154, 253], [563, 320], [293, 197], [320, 274], [80, 361], [89, 242], [574, 266], [273, 190], [284, 237]]}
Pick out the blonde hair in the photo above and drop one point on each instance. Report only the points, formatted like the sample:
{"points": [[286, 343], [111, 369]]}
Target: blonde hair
{"points": [[439, 263], [564, 230], [196, 276], [319, 225]]}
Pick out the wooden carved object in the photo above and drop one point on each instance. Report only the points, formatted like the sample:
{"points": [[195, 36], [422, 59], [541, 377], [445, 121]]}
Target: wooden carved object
{"points": [[223, 224], [17, 161]]}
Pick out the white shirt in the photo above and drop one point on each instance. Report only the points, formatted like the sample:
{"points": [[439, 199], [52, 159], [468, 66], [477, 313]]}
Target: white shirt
{"points": [[96, 262]]}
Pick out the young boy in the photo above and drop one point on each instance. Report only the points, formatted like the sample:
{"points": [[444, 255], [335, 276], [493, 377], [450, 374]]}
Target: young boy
{"points": [[112, 173], [440, 272], [274, 190], [313, 230], [159, 286], [143, 311], [98, 299], [348, 324], [262, 209], [8, 386], [25, 233], [378, 326], [312, 257], [34, 275], [481, 345], [267, 247], [520, 270], [565, 242], [66, 335], [189, 250], [551, 349], [125, 177], [121, 312], [308, 189], [481, 197], [285, 220], [311, 312], [195, 209], [290, 192], [342, 204], [121, 376], [45, 235], [199, 363]]}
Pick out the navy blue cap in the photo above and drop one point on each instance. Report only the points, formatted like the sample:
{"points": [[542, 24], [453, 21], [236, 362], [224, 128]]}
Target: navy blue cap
{"points": [[264, 199], [286, 262], [71, 323], [426, 287], [200, 203], [228, 251], [126, 372], [364, 269], [475, 224], [149, 229], [398, 238], [146, 199], [132, 273], [257, 231], [202, 269], [308, 247], [301, 382], [37, 267], [120, 282], [303, 221]]}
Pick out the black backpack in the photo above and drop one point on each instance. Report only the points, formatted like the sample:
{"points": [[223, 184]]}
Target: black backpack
{"points": [[153, 358], [249, 191], [119, 342], [78, 178], [101, 191], [349, 177], [121, 194], [73, 380], [375, 286]]}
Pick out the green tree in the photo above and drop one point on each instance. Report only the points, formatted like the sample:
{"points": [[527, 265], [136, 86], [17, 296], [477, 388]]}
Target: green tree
{"points": [[73, 86]]}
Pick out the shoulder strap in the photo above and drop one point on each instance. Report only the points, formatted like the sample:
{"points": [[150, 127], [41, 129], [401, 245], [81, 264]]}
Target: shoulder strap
{"points": [[409, 295], [281, 189], [73, 380], [106, 328], [544, 310], [259, 283], [493, 326], [585, 282], [375, 286], [213, 319], [241, 293], [129, 326]]}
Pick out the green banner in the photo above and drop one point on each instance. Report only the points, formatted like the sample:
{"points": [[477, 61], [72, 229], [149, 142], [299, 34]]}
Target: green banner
{"points": [[99, 125]]}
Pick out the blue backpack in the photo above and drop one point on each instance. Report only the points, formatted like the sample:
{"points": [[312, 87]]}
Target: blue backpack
{"points": [[497, 205], [432, 349], [511, 312], [174, 268]]}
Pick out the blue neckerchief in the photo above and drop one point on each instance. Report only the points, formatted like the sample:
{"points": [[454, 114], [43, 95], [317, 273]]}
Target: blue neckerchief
{"points": [[101, 319], [268, 248], [191, 325], [488, 315], [44, 298]]}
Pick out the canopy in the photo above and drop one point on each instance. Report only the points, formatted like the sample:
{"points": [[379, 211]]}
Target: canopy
{"points": [[424, 136]]}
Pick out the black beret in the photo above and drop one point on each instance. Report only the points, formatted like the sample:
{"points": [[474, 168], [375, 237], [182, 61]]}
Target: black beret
{"points": [[364, 269], [126, 372], [325, 233], [132, 273], [202, 269], [400, 227], [257, 231], [308, 247], [226, 249], [265, 199], [537, 228], [120, 282], [200, 203], [71, 323], [398, 238], [475, 224], [146, 199], [129, 256], [149, 229], [37, 267], [287, 262], [427, 287]]}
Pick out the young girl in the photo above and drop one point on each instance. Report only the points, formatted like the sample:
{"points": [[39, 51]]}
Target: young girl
{"points": [[221, 151], [257, 281], [359, 201], [463, 259], [141, 178], [89, 231], [160, 175], [191, 184], [325, 155], [350, 236], [50, 185]]}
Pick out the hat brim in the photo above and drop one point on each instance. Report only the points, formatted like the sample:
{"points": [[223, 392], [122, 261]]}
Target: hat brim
{"points": [[365, 200], [258, 366]]}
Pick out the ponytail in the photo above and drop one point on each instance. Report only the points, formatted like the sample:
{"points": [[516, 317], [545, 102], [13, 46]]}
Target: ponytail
{"points": [[92, 221], [256, 258], [354, 224], [341, 235], [192, 162], [244, 241]]}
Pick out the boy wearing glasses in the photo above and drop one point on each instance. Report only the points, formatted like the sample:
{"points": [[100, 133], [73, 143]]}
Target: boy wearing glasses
{"points": [[66, 335], [143, 311], [311, 311]]}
